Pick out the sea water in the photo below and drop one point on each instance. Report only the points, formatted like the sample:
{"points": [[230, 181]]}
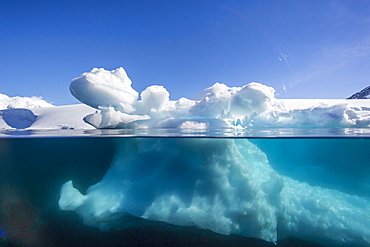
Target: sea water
{"points": [[287, 181]]}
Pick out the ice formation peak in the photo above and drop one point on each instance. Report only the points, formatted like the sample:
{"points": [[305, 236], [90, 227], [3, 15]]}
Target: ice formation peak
{"points": [[219, 106]]}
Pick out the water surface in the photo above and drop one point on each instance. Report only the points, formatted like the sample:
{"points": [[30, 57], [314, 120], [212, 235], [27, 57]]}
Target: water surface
{"points": [[35, 165]]}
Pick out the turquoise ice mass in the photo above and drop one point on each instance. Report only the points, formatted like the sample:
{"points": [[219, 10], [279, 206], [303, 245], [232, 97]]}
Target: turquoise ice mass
{"points": [[232, 161]]}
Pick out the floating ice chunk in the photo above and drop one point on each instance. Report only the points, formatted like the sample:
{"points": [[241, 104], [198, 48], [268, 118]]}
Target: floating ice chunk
{"points": [[105, 88]]}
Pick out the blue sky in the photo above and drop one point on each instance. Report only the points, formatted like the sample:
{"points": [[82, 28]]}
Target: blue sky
{"points": [[304, 49]]}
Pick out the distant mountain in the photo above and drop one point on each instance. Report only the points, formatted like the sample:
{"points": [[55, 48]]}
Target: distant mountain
{"points": [[363, 94]]}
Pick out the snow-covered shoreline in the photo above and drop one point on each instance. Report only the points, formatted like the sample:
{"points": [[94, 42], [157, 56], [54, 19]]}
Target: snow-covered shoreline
{"points": [[46, 118]]}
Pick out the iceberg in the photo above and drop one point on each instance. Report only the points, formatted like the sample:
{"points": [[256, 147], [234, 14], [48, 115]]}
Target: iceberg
{"points": [[258, 188], [219, 106]]}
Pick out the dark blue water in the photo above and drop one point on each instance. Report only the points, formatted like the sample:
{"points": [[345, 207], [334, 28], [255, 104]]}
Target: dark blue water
{"points": [[35, 164]]}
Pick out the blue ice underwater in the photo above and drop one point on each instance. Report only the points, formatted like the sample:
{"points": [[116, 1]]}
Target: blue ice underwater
{"points": [[312, 189]]}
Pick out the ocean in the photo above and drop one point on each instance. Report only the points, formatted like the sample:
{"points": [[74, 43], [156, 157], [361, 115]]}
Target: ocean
{"points": [[293, 187]]}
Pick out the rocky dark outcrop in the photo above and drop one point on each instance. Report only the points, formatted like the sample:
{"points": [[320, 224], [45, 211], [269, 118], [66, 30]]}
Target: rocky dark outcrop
{"points": [[363, 94]]}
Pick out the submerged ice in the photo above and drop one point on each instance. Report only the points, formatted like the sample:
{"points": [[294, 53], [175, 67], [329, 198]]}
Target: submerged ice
{"points": [[224, 185], [219, 106]]}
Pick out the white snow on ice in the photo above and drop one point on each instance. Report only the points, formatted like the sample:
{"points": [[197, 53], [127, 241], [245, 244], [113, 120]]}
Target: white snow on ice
{"points": [[251, 106], [7, 102]]}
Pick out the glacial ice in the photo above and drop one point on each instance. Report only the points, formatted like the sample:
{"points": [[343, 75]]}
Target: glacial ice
{"points": [[17, 102], [15, 111], [219, 106], [224, 185]]}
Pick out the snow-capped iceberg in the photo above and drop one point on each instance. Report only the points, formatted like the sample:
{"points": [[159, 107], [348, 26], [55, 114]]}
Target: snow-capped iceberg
{"points": [[251, 106]]}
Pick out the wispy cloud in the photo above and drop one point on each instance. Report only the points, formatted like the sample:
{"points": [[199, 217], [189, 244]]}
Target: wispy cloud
{"points": [[327, 61]]}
